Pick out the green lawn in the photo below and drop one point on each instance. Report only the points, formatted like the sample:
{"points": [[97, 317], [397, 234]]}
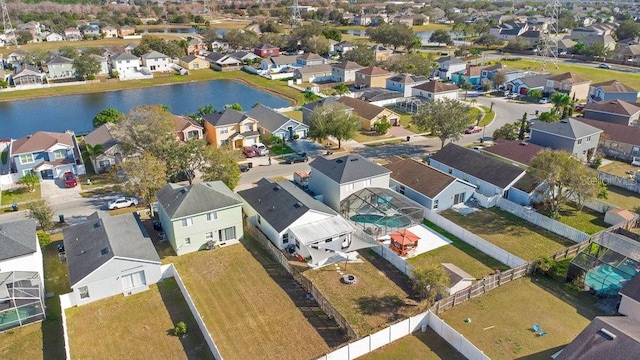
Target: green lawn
{"points": [[249, 303], [280, 149], [19, 195], [623, 198], [502, 319], [387, 142], [362, 137], [509, 232], [459, 253], [618, 168], [148, 334], [295, 115], [585, 220], [375, 301], [419, 345], [488, 116]]}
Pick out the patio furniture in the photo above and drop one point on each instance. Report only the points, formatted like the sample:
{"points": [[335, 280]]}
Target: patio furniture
{"points": [[536, 328], [542, 333]]}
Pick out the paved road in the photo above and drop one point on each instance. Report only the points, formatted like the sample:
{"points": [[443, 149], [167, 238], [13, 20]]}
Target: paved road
{"points": [[492, 55]]}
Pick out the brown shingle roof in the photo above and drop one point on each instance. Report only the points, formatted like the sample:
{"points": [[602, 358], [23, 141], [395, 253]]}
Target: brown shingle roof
{"points": [[347, 65], [569, 77], [474, 70], [420, 177], [614, 86], [39, 141], [436, 87], [310, 56], [373, 71], [516, 150], [362, 108], [182, 123], [616, 132], [615, 107]]}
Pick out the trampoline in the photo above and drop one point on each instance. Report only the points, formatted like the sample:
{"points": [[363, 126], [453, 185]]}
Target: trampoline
{"points": [[393, 221], [606, 279]]}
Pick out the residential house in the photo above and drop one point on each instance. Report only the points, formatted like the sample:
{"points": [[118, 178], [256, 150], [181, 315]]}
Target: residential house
{"points": [[568, 83], [471, 75], [630, 301], [109, 32], [617, 141], [458, 278], [310, 59], [344, 46], [126, 31], [509, 30], [111, 154], [571, 135], [509, 73], [230, 127], [313, 73], [606, 337], [223, 62], [104, 64], [612, 90], [370, 114], [192, 62], [48, 154], [126, 65], [156, 62], [527, 83], [607, 41], [381, 53], [291, 218], [491, 176], [266, 50], [16, 57], [345, 71], [362, 20], [219, 45], [630, 53], [404, 83], [109, 255], [566, 46], [403, 20], [53, 37], [27, 75], [435, 90], [60, 67], [196, 47], [518, 152], [130, 47], [186, 130], [448, 66], [274, 123], [32, 27], [335, 179], [532, 36], [199, 216], [310, 108], [91, 31], [245, 56], [276, 64], [72, 34], [21, 274], [428, 186], [332, 46], [372, 77], [614, 111]]}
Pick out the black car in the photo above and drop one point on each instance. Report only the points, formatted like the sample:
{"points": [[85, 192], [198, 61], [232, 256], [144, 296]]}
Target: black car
{"points": [[300, 157], [243, 167], [182, 176]]}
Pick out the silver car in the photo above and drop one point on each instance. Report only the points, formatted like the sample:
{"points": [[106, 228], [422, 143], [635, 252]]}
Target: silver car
{"points": [[122, 202]]}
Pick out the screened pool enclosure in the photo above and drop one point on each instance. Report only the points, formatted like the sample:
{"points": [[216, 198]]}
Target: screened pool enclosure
{"points": [[21, 299]]}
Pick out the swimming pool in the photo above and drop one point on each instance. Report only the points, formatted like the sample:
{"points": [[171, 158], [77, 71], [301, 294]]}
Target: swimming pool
{"points": [[606, 279], [393, 221]]}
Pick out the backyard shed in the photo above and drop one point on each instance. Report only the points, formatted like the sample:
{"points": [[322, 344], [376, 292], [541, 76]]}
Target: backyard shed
{"points": [[616, 216]]}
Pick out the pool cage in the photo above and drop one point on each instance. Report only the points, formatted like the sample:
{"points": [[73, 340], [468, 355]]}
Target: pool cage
{"points": [[379, 211], [411, 105], [21, 299], [603, 270]]}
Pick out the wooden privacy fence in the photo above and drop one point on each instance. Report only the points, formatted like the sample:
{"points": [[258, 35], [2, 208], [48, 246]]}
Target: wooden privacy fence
{"points": [[305, 283]]}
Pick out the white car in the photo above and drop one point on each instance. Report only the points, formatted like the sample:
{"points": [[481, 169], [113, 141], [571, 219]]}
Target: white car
{"points": [[122, 202], [544, 100], [261, 149]]}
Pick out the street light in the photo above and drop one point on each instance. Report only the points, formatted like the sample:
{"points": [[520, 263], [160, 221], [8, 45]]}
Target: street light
{"points": [[483, 129], [491, 108]]}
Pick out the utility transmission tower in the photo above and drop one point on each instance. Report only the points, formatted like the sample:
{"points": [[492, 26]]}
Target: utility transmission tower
{"points": [[296, 19], [548, 47], [6, 24]]}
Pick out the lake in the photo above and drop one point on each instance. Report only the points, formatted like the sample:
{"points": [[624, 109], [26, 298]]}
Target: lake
{"points": [[76, 112]]}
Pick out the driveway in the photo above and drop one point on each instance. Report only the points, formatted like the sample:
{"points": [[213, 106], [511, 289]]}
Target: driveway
{"points": [[312, 148], [54, 191]]}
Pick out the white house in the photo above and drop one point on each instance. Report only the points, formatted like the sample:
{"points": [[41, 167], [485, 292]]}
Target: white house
{"points": [[54, 37], [109, 255], [104, 64], [271, 122], [448, 66], [335, 179], [127, 65], [345, 71], [435, 90], [21, 275], [111, 154], [630, 301], [156, 62]]}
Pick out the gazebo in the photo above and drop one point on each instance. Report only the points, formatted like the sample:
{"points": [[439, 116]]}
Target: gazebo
{"points": [[403, 242]]}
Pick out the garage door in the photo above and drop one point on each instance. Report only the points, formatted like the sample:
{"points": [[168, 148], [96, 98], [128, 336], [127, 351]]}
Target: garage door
{"points": [[302, 134], [249, 142], [132, 281]]}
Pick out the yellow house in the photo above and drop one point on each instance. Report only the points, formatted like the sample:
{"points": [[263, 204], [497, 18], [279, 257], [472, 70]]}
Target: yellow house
{"points": [[570, 84], [372, 77], [192, 62], [370, 114], [230, 127]]}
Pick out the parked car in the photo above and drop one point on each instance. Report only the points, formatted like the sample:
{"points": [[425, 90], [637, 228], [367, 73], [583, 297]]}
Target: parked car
{"points": [[473, 129], [261, 149], [544, 100], [182, 176], [604, 66], [122, 202], [250, 151], [580, 107], [513, 96], [243, 167], [70, 179], [300, 157]]}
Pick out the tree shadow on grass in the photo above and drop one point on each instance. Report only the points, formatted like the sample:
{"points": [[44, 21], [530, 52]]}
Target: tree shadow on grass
{"points": [[582, 301], [545, 354], [326, 327], [391, 272], [388, 305], [195, 347]]}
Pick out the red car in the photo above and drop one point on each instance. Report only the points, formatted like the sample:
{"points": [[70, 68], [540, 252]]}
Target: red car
{"points": [[473, 129], [70, 179], [250, 151], [580, 107]]}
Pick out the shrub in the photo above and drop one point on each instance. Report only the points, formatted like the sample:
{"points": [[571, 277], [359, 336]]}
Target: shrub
{"points": [[596, 162], [44, 238], [296, 137], [180, 329], [381, 127], [544, 265]]}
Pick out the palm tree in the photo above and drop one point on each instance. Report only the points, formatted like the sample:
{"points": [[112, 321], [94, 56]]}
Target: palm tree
{"points": [[560, 101], [91, 152], [464, 85]]}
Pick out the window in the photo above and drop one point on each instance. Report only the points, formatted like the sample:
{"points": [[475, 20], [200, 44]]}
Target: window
{"points": [[227, 234], [208, 236], [60, 154], [224, 142], [26, 159], [349, 187], [224, 130], [285, 238], [212, 216], [187, 222], [450, 171], [84, 292], [588, 138], [435, 204], [458, 198], [248, 127], [401, 189], [258, 219], [187, 241], [635, 150], [579, 141], [297, 244]]}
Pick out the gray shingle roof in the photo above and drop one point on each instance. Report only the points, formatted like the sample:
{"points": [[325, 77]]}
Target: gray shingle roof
{"points": [[59, 60], [180, 201], [632, 288], [154, 55], [101, 135], [477, 165], [18, 238], [226, 117], [325, 101], [267, 118], [569, 128], [102, 237], [348, 168], [281, 203], [124, 56], [596, 342], [535, 81]]}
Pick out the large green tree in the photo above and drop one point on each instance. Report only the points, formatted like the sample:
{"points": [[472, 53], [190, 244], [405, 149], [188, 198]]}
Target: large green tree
{"points": [[42, 212], [152, 42], [417, 64], [69, 52], [222, 165], [147, 128], [145, 174], [430, 282], [108, 115], [396, 35], [361, 54], [86, 66], [187, 157], [628, 29], [332, 120], [508, 131], [447, 119], [441, 36]]}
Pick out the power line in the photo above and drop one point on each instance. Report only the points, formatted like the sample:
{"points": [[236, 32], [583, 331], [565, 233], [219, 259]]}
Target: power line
{"points": [[6, 23], [548, 46], [296, 19]]}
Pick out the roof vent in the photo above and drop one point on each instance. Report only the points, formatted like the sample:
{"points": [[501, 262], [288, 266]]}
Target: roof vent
{"points": [[276, 188], [339, 161], [104, 251], [297, 205], [96, 225], [354, 159], [607, 334]]}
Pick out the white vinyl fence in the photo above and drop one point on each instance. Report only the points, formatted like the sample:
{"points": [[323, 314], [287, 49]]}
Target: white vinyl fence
{"points": [[395, 260], [628, 184], [66, 301], [474, 240], [544, 222], [486, 202], [404, 328]]}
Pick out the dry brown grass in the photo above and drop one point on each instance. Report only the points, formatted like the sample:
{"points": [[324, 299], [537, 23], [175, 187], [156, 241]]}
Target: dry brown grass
{"points": [[136, 327], [419, 345], [618, 168], [251, 306]]}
